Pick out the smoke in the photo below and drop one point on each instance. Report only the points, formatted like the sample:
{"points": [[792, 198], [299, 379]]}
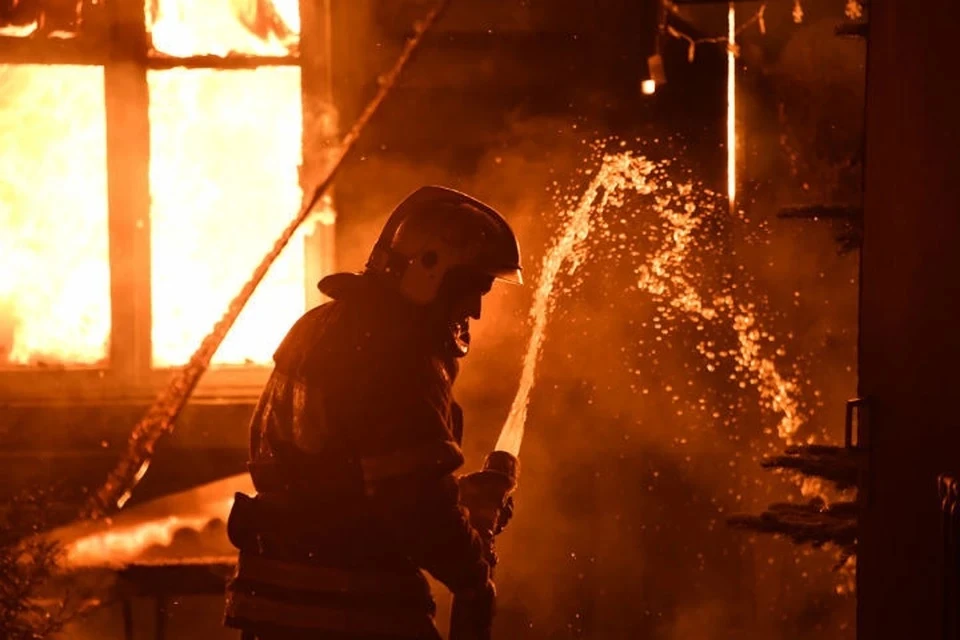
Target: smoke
{"points": [[635, 453]]}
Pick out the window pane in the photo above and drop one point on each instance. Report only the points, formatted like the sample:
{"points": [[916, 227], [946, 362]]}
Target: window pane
{"points": [[54, 261], [220, 27], [225, 151]]}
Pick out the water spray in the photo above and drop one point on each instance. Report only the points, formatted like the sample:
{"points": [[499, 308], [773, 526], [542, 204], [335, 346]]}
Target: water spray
{"points": [[667, 275]]}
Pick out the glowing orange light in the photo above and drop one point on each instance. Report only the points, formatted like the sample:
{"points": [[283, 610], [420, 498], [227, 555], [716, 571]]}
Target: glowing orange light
{"points": [[648, 87], [222, 27], [731, 107], [225, 153], [54, 264], [225, 147]]}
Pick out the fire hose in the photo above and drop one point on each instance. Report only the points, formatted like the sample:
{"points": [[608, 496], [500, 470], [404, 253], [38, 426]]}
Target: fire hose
{"points": [[161, 417]]}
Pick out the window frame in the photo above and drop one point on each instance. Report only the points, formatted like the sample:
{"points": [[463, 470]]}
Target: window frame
{"points": [[121, 47]]}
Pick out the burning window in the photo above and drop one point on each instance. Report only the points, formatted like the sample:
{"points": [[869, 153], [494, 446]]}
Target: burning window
{"points": [[224, 152], [54, 264], [218, 82]]}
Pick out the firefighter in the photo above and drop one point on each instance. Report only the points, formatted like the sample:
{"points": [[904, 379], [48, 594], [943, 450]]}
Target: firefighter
{"points": [[355, 442]]}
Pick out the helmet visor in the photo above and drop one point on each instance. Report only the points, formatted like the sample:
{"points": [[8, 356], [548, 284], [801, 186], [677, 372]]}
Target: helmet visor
{"points": [[507, 274]]}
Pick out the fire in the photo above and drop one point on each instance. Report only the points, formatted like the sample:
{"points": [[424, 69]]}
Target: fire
{"points": [[19, 31], [123, 547], [54, 266], [731, 106], [129, 535], [221, 27], [225, 152], [128, 544], [233, 168], [223, 185]]}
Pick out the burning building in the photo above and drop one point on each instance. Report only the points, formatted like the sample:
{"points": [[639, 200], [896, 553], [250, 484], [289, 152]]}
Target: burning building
{"points": [[154, 151]]}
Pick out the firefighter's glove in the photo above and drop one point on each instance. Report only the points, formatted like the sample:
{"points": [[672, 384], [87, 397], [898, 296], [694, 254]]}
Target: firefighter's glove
{"points": [[471, 617], [485, 497], [506, 514]]}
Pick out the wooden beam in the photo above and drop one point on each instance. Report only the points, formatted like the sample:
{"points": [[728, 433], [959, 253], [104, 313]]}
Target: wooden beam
{"points": [[79, 51], [88, 52], [127, 102], [220, 62]]}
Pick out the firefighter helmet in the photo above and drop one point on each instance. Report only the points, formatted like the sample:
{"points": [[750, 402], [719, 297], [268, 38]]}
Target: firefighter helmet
{"points": [[434, 230]]}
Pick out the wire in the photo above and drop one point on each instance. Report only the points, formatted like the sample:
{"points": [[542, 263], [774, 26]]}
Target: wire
{"points": [[729, 43]]}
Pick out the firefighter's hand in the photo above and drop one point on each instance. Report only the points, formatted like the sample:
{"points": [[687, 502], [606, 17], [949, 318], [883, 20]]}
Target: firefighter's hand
{"points": [[489, 508], [506, 514], [471, 617]]}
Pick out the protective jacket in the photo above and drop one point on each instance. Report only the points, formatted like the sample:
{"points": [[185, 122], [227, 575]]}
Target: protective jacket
{"points": [[353, 445]]}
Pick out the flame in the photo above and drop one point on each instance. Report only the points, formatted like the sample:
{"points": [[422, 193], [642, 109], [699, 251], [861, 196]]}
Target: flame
{"points": [[54, 264], [19, 30], [128, 544], [225, 152], [731, 107], [797, 12], [222, 27], [225, 155], [223, 184]]}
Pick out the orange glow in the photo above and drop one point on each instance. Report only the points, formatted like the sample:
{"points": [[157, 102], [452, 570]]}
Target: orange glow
{"points": [[127, 544], [648, 87], [225, 152], [133, 532], [19, 31], [668, 274], [222, 27], [732, 107], [224, 181], [54, 268]]}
